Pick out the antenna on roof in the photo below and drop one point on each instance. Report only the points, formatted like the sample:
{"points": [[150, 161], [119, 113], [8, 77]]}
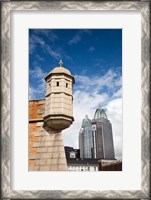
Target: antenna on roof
{"points": [[99, 105]]}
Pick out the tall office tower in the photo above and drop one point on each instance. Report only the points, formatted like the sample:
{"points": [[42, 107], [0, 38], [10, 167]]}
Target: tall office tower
{"points": [[103, 146], [85, 139]]}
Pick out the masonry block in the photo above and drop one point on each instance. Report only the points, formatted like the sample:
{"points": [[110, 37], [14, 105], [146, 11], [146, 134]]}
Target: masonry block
{"points": [[39, 124], [45, 168], [37, 134], [42, 149], [36, 144], [54, 161], [35, 168], [40, 162], [46, 148], [62, 167], [54, 167], [46, 155], [32, 157]]}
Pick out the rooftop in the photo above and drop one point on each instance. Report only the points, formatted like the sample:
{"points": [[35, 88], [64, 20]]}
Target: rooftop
{"points": [[100, 113], [82, 161], [60, 70]]}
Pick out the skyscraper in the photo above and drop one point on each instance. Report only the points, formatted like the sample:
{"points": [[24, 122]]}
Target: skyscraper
{"points": [[103, 146], [97, 139], [85, 139]]}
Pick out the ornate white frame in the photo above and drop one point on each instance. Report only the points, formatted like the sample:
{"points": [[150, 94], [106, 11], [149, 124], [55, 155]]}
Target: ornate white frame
{"points": [[7, 6]]}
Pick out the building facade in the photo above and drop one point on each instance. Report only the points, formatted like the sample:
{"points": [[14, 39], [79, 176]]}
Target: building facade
{"points": [[75, 163], [100, 142], [79, 164], [71, 152], [85, 139]]}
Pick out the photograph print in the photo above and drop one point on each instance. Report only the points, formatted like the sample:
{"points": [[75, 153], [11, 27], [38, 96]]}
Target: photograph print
{"points": [[75, 100]]}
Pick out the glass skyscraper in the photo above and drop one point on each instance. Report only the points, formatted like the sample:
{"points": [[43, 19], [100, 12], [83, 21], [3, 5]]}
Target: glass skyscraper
{"points": [[85, 139], [96, 138]]}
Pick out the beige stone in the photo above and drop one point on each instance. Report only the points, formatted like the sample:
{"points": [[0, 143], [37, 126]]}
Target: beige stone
{"points": [[42, 149], [35, 168], [40, 162], [53, 149], [54, 161], [55, 154], [49, 161], [39, 124], [62, 154], [48, 145], [62, 161], [58, 143], [32, 156], [59, 89], [37, 134], [62, 167], [36, 144], [54, 167], [46, 155], [45, 168]]}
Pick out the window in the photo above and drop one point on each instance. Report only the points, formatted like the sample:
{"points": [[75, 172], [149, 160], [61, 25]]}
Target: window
{"points": [[66, 85], [72, 156], [57, 83]]}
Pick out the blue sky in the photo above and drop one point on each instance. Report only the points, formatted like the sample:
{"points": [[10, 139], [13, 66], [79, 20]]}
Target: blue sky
{"points": [[84, 52], [94, 57]]}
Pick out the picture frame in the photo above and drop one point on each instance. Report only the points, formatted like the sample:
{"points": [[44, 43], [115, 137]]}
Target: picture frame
{"points": [[6, 159]]}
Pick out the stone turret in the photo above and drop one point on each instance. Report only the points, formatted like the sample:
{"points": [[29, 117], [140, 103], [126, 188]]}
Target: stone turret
{"points": [[46, 143], [59, 100]]}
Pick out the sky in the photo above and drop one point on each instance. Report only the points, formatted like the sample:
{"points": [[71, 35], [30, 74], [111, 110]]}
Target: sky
{"points": [[94, 58]]}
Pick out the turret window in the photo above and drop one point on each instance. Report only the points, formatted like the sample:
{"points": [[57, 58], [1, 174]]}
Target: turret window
{"points": [[66, 85], [57, 83]]}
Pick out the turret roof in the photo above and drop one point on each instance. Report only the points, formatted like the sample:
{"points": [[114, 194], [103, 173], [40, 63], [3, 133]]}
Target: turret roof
{"points": [[60, 70]]}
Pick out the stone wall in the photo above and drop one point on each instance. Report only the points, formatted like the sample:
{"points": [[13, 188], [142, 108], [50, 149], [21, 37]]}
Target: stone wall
{"points": [[46, 149]]}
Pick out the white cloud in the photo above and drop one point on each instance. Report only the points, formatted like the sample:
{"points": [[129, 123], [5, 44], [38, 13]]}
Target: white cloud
{"points": [[114, 113], [34, 41], [86, 100], [54, 53], [91, 49], [118, 93], [57, 54], [39, 58], [48, 33], [98, 83], [37, 40], [32, 93], [76, 38], [37, 75]]}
